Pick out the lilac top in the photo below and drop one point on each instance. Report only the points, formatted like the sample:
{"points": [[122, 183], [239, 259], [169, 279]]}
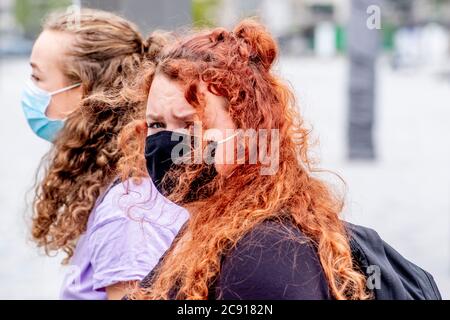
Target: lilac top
{"points": [[129, 229]]}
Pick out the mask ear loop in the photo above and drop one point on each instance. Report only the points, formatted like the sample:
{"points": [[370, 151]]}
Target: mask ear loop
{"points": [[223, 141], [65, 89], [216, 143]]}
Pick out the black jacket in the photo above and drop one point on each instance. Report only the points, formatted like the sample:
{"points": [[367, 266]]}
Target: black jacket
{"points": [[277, 261], [274, 261]]}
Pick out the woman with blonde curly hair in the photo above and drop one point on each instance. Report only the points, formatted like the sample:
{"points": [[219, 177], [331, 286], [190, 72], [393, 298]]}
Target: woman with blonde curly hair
{"points": [[258, 229], [111, 232]]}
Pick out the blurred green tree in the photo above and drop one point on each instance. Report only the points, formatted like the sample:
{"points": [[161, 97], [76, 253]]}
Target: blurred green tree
{"points": [[29, 14], [204, 13]]}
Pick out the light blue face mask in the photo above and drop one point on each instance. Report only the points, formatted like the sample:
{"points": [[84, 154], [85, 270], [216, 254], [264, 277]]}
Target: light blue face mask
{"points": [[35, 102]]}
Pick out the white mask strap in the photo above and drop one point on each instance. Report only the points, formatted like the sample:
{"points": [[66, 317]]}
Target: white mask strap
{"points": [[65, 89]]}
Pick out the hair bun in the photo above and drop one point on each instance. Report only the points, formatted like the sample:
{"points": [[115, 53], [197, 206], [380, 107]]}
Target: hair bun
{"points": [[263, 49], [154, 44], [219, 35]]}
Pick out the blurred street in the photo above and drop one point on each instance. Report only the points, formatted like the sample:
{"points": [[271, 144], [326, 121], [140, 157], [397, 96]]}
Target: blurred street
{"points": [[404, 195]]}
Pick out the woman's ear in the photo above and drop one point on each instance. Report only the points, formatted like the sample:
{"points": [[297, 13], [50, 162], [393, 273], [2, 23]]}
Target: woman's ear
{"points": [[73, 98], [84, 89], [77, 95], [80, 91]]}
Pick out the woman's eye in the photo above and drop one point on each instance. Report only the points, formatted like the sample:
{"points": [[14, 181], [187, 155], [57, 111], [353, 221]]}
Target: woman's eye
{"points": [[35, 78], [155, 125]]}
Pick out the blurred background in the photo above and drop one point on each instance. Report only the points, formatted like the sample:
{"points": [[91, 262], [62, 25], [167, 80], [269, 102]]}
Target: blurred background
{"points": [[372, 78]]}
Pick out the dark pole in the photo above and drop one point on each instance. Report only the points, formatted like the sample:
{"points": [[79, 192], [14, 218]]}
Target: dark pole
{"points": [[363, 44]]}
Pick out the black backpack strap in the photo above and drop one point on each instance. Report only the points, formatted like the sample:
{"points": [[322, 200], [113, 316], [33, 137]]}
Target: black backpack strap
{"points": [[399, 279], [368, 251], [418, 282]]}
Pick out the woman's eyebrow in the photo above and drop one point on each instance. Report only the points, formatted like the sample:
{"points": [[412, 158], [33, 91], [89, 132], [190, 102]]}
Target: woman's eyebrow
{"points": [[189, 115], [154, 117], [185, 117]]}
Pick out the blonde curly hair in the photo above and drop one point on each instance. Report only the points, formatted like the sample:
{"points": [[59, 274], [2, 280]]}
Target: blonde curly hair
{"points": [[107, 51]]}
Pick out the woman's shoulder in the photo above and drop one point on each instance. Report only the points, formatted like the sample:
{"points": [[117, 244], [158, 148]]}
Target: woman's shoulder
{"points": [[137, 200], [275, 260], [131, 227]]}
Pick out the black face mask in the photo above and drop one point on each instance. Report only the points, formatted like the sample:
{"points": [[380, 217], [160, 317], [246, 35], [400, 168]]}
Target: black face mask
{"points": [[158, 151], [158, 156]]}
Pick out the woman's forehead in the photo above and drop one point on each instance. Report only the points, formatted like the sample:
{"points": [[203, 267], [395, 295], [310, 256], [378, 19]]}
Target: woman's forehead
{"points": [[166, 100], [50, 49]]}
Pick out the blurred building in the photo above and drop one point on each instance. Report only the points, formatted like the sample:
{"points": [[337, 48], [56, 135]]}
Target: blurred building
{"points": [[12, 41], [20, 20], [7, 21], [320, 26], [408, 12], [296, 23], [149, 14]]}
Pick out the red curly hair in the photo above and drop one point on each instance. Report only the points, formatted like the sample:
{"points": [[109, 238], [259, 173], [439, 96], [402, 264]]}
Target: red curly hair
{"points": [[238, 66]]}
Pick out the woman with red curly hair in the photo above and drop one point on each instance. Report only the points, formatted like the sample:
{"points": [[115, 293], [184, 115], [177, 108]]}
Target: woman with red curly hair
{"points": [[252, 233]]}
